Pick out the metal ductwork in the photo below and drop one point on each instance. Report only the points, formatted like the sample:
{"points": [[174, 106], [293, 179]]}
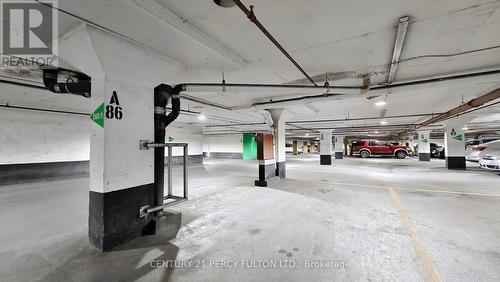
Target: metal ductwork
{"points": [[462, 109], [162, 94], [77, 83]]}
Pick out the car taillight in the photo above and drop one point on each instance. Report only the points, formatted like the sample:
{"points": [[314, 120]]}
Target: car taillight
{"points": [[478, 149]]}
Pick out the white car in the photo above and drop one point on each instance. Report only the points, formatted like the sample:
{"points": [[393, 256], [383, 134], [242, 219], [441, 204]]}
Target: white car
{"points": [[475, 153], [491, 157]]}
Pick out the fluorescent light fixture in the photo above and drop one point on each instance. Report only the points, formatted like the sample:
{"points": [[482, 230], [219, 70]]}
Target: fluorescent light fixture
{"points": [[465, 128], [307, 134], [202, 117], [398, 47], [380, 103], [383, 122]]}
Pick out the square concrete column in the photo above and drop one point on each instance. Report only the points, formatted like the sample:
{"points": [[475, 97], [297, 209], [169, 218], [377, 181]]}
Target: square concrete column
{"points": [[339, 147], [295, 147], [454, 139], [411, 140], [305, 147], [424, 145], [265, 155], [325, 140], [121, 175], [279, 117]]}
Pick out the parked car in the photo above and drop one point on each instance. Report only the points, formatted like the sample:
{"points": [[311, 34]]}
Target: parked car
{"points": [[490, 156], [475, 153], [367, 148], [480, 141], [437, 151]]}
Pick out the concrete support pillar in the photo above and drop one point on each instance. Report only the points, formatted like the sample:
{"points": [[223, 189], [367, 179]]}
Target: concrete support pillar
{"points": [[265, 155], [121, 175], [454, 139], [411, 141], [339, 147], [325, 147], [295, 148], [424, 145], [279, 117]]}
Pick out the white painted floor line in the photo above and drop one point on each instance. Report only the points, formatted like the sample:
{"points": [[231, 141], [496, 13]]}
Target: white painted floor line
{"points": [[403, 189], [459, 192]]}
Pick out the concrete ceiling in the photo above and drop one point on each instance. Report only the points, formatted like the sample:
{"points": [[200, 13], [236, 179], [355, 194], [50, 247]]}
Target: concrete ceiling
{"points": [[354, 37]]}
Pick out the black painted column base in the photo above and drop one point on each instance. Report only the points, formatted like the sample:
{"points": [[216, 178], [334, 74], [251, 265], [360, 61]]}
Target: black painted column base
{"points": [[261, 183], [457, 163], [424, 157], [325, 159], [339, 155], [114, 216], [266, 171], [281, 170]]}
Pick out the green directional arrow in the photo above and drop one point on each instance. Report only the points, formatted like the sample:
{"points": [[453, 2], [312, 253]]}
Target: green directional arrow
{"points": [[98, 115], [458, 137], [170, 138]]}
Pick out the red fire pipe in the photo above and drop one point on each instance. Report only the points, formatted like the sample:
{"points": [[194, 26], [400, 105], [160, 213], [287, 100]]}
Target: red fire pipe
{"points": [[251, 16]]}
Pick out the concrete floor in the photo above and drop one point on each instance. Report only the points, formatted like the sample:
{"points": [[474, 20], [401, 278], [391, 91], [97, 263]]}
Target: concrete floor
{"points": [[373, 219]]}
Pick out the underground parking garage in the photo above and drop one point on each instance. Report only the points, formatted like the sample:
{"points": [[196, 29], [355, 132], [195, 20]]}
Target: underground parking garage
{"points": [[167, 140]]}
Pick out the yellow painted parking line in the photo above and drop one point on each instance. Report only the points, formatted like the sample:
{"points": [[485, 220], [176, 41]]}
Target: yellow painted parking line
{"points": [[422, 255]]}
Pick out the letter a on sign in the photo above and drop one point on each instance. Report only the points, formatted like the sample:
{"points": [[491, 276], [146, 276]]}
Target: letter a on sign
{"points": [[114, 99]]}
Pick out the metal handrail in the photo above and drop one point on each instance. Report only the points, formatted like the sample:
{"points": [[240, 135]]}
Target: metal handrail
{"points": [[145, 145]]}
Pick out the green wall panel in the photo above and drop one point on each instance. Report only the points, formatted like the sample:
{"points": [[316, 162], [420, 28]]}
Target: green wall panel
{"points": [[249, 146]]}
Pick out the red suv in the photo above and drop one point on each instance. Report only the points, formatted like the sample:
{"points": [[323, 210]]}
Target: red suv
{"points": [[367, 148]]}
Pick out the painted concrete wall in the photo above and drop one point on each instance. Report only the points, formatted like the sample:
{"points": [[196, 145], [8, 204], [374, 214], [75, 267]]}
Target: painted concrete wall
{"points": [[223, 143], [36, 137], [180, 135], [39, 137]]}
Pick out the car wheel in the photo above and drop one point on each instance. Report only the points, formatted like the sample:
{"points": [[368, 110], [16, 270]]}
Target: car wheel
{"points": [[364, 154], [401, 154]]}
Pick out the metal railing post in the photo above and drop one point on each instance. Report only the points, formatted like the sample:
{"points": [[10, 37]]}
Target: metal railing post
{"points": [[146, 145], [185, 172], [169, 171]]}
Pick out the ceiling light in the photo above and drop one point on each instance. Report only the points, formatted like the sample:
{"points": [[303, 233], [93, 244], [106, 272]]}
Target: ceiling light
{"points": [[465, 128], [380, 103], [307, 134], [383, 122], [202, 117], [225, 3]]}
